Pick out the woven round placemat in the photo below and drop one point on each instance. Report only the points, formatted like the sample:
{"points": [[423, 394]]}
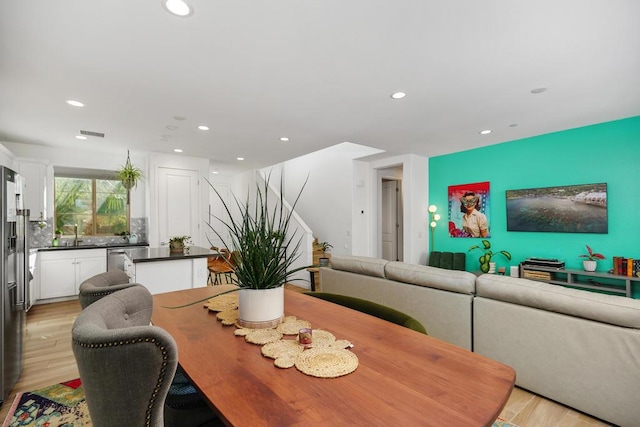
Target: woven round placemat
{"points": [[280, 348], [286, 361], [228, 317], [262, 336], [292, 327], [223, 302], [326, 362]]}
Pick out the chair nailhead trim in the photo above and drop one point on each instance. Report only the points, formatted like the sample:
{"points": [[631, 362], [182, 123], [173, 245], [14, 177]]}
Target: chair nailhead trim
{"points": [[163, 368]]}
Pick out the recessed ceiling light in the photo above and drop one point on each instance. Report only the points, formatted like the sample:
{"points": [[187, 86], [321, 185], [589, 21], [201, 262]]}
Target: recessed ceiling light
{"points": [[203, 127], [172, 127], [164, 140], [284, 139], [177, 150], [177, 7], [215, 172], [398, 95], [485, 132], [81, 137], [240, 158], [538, 90], [512, 125], [180, 118], [74, 103]]}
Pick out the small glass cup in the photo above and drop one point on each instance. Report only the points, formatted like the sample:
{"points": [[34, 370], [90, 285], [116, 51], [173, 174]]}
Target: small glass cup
{"points": [[305, 336]]}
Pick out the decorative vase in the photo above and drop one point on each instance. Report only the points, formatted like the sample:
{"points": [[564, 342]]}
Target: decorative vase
{"points": [[492, 268], [260, 308], [589, 265]]}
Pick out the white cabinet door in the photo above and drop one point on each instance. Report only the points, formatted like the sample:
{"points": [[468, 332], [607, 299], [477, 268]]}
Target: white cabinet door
{"points": [[34, 185], [89, 267], [62, 272], [57, 278]]}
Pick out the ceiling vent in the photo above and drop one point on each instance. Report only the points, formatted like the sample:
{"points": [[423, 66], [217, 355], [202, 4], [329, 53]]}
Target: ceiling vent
{"points": [[89, 133]]}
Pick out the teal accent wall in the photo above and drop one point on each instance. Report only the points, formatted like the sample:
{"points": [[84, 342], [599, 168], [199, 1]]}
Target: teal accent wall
{"points": [[607, 152]]}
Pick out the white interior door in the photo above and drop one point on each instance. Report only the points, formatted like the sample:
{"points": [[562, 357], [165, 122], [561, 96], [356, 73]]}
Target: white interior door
{"points": [[178, 204], [389, 220]]}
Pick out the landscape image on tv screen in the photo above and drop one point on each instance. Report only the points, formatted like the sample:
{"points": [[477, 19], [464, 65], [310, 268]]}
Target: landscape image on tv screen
{"points": [[565, 209]]}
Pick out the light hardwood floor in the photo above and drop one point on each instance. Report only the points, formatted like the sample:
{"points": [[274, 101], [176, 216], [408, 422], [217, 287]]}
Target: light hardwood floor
{"points": [[49, 360]]}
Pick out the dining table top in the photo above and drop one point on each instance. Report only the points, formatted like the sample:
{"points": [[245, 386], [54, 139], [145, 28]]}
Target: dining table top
{"points": [[403, 377]]}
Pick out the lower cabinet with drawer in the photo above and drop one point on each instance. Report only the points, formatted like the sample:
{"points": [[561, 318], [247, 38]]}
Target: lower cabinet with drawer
{"points": [[62, 272]]}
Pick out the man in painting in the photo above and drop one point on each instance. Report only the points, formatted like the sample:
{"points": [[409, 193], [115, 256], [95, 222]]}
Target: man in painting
{"points": [[474, 222]]}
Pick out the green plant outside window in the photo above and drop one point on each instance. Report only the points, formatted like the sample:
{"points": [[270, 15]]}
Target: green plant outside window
{"points": [[98, 206]]}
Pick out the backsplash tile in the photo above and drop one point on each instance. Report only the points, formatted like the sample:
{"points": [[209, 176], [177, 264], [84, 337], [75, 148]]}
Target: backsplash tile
{"points": [[42, 237]]}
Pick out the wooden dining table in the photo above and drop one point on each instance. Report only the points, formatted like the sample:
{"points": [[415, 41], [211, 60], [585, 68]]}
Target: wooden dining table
{"points": [[403, 377]]}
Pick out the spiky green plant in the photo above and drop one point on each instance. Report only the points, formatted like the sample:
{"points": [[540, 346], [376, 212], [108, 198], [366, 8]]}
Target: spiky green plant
{"points": [[261, 238], [485, 258]]}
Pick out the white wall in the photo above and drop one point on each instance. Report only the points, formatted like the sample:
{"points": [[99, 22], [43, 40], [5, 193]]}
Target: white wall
{"points": [[326, 204]]}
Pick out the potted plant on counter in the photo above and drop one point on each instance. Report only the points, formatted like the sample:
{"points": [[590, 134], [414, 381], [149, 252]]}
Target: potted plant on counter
{"points": [[590, 263], [178, 243]]}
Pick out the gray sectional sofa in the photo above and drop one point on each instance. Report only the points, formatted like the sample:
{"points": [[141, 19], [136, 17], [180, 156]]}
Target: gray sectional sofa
{"points": [[576, 347]]}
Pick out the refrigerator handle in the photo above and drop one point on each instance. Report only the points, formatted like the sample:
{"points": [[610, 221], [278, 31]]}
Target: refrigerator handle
{"points": [[23, 297]]}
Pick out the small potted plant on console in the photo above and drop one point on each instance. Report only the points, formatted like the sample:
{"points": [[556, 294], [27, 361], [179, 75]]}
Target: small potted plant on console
{"points": [[590, 263]]}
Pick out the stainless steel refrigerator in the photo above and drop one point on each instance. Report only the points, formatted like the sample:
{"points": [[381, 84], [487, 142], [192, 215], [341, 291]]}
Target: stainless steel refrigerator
{"points": [[14, 279]]}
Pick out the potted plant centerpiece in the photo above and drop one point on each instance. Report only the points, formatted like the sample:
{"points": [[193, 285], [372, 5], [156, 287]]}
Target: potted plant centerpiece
{"points": [[485, 258], [590, 263], [265, 248]]}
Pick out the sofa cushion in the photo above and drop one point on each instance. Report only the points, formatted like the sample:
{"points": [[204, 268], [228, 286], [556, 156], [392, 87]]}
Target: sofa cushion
{"points": [[615, 310], [359, 264], [449, 280]]}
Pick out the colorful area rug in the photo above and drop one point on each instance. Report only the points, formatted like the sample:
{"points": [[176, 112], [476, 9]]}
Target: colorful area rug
{"points": [[58, 405], [63, 405]]}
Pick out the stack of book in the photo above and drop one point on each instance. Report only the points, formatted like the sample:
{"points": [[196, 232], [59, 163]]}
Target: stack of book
{"points": [[626, 266]]}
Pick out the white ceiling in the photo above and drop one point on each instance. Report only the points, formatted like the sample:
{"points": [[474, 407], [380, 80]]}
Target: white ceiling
{"points": [[317, 71]]}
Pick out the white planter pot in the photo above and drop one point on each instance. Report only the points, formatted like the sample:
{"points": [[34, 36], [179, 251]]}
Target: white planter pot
{"points": [[589, 265], [260, 308]]}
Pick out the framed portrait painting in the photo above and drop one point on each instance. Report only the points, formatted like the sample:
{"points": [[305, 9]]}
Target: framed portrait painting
{"points": [[469, 210]]}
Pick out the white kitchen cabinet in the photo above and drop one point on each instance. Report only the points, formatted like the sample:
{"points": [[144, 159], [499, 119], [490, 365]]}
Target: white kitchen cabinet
{"points": [[167, 276], [62, 271], [34, 187]]}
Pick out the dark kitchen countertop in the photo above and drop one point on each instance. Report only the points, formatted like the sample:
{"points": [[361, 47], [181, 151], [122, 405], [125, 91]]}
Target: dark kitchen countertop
{"points": [[93, 246], [163, 254]]}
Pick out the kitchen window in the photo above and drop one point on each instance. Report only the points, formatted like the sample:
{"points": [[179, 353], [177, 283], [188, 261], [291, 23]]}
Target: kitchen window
{"points": [[93, 201]]}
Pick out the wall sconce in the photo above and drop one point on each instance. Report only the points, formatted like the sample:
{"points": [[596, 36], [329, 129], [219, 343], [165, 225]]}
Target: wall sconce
{"points": [[434, 221]]}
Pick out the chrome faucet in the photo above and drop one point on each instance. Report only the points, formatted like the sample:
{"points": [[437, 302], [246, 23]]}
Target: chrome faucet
{"points": [[76, 241]]}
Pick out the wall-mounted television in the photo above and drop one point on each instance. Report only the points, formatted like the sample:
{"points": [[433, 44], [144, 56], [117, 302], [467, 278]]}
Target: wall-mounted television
{"points": [[564, 209]]}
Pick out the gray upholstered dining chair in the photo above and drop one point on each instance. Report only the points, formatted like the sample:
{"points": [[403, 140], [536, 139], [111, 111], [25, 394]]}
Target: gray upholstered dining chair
{"points": [[127, 366], [100, 285]]}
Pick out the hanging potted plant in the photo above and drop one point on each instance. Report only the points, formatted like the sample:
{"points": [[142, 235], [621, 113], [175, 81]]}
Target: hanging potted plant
{"points": [[590, 263], [129, 175]]}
